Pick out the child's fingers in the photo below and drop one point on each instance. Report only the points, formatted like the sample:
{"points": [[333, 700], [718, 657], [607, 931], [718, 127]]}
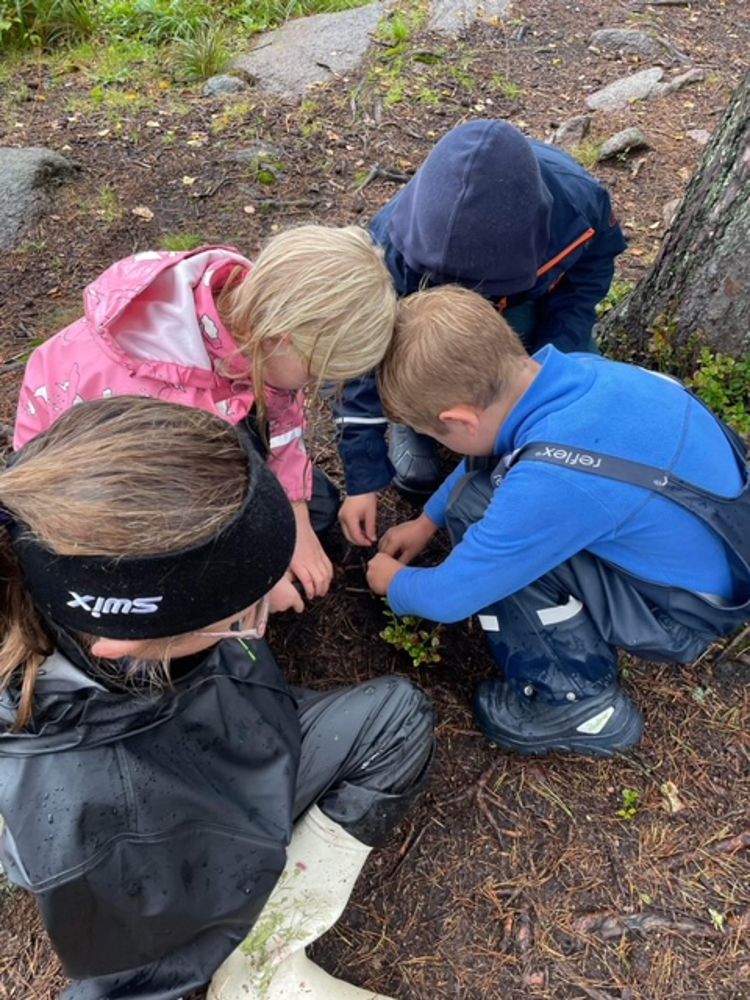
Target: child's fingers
{"points": [[287, 596], [305, 577], [388, 543], [369, 525], [357, 516], [353, 532]]}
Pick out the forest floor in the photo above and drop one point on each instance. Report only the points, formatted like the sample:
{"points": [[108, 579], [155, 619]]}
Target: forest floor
{"points": [[513, 878]]}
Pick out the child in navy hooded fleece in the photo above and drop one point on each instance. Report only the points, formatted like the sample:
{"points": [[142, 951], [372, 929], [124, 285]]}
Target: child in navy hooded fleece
{"points": [[518, 221]]}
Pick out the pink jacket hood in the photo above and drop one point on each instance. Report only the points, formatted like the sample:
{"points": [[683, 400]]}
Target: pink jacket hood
{"points": [[151, 327]]}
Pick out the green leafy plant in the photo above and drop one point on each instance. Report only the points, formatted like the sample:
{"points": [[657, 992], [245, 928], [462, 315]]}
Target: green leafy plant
{"points": [[43, 24], [631, 800], [404, 633], [723, 382], [618, 290]]}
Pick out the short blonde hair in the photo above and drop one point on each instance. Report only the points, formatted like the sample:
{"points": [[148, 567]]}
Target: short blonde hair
{"points": [[328, 290], [450, 347]]}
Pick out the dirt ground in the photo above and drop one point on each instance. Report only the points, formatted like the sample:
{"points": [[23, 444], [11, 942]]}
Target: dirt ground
{"points": [[514, 878]]}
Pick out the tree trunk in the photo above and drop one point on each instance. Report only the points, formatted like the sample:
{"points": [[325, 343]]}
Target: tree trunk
{"points": [[700, 284]]}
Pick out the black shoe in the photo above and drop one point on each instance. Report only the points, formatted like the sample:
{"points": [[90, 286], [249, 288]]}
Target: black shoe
{"points": [[416, 462], [603, 724]]}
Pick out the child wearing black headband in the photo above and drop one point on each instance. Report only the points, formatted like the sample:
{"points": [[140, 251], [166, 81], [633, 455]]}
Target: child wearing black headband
{"points": [[195, 798], [207, 328]]}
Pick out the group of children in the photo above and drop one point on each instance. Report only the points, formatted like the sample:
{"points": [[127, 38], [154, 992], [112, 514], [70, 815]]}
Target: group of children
{"points": [[181, 813]]}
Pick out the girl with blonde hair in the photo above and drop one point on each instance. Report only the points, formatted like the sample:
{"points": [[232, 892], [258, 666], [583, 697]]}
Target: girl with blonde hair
{"points": [[165, 793], [207, 328]]}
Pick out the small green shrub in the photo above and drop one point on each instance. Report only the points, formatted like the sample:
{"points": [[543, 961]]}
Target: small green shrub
{"points": [[723, 382], [618, 290], [631, 800], [200, 52], [404, 633]]}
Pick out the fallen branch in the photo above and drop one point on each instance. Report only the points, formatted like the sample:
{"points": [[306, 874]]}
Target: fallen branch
{"points": [[382, 173], [292, 203], [12, 366], [609, 925], [410, 842]]}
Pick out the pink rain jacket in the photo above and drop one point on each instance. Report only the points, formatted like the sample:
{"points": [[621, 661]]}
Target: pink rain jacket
{"points": [[151, 328]]}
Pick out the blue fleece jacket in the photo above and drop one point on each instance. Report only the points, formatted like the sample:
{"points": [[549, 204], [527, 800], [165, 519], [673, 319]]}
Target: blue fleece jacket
{"points": [[467, 186], [541, 515]]}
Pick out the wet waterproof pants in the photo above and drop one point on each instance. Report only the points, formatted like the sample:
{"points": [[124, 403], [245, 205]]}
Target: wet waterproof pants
{"points": [[557, 638], [365, 755]]}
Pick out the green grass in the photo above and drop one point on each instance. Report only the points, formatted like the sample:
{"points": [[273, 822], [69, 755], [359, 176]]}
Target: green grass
{"points": [[181, 241], [123, 61], [43, 24], [109, 208], [200, 53], [507, 87], [587, 154], [396, 29], [197, 35], [232, 116]]}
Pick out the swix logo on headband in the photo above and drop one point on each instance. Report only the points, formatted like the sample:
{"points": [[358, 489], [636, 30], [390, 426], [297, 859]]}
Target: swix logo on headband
{"points": [[114, 605]]}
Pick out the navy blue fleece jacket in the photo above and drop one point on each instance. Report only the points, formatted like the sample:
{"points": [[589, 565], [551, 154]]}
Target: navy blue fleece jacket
{"points": [[517, 220], [541, 515]]}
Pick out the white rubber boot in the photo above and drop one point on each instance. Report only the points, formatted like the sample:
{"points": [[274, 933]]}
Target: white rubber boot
{"points": [[322, 865]]}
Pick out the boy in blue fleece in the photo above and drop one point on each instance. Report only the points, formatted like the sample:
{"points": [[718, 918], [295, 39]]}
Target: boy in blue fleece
{"points": [[574, 532], [518, 221]]}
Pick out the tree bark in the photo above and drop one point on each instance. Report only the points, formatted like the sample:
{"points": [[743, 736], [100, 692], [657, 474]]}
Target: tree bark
{"points": [[700, 284]]}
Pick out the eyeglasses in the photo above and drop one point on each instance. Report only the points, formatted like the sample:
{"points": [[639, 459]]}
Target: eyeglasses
{"points": [[250, 625]]}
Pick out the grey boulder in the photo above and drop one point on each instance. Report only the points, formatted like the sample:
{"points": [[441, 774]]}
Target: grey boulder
{"points": [[28, 178]]}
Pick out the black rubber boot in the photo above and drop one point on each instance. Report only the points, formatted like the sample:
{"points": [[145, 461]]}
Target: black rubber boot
{"points": [[416, 462], [602, 724]]}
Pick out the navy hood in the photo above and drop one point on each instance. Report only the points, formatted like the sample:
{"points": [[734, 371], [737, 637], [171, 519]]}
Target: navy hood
{"points": [[476, 212]]}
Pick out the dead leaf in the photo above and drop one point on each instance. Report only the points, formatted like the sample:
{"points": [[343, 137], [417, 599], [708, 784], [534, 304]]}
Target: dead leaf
{"points": [[143, 213], [672, 801]]}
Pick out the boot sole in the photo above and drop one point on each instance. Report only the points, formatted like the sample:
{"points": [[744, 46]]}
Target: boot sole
{"points": [[627, 736]]}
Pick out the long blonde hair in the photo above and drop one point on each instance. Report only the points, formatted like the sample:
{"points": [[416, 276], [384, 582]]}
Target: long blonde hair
{"points": [[327, 290], [126, 476]]}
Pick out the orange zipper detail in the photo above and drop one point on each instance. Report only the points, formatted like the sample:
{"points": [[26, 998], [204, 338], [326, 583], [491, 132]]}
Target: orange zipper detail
{"points": [[588, 235]]}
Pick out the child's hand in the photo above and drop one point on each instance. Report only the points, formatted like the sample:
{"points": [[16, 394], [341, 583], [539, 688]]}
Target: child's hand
{"points": [[310, 565], [285, 596], [405, 541], [358, 516], [381, 569]]}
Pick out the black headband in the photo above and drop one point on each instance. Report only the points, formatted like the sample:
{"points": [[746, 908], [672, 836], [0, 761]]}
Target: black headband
{"points": [[148, 597]]}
